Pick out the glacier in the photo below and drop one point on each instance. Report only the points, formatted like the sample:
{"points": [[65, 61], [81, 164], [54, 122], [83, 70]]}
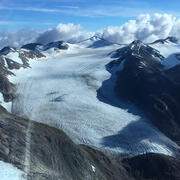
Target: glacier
{"points": [[61, 90]]}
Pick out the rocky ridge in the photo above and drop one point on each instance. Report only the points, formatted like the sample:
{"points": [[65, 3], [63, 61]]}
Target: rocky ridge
{"points": [[144, 81]]}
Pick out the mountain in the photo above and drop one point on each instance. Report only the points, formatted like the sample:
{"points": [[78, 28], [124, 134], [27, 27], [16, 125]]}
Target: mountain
{"points": [[96, 42], [144, 81], [40, 47], [31, 46], [58, 44], [168, 40], [94, 110]]}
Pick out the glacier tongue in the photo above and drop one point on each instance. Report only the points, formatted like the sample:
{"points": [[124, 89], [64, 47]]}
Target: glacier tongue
{"points": [[62, 92]]}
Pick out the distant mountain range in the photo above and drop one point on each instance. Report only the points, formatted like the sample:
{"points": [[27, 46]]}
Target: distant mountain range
{"points": [[166, 40]]}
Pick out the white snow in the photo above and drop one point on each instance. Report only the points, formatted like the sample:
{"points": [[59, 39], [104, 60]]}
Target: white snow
{"points": [[14, 56], [88, 42], [6, 105], [9, 172], [62, 92], [5, 63], [93, 168], [171, 61], [169, 51]]}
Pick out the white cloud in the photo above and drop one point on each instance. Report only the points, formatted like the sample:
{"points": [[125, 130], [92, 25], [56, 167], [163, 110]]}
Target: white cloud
{"points": [[67, 32], [145, 27], [17, 38]]}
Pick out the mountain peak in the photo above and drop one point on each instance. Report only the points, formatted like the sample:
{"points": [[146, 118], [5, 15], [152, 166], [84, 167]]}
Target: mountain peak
{"points": [[138, 49]]}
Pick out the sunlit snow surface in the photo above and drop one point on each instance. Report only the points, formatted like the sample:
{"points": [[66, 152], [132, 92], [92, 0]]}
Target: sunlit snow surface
{"points": [[62, 91], [14, 56], [9, 172], [171, 52]]}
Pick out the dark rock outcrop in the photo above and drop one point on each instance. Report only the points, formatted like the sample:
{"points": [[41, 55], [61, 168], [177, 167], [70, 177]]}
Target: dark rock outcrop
{"points": [[153, 167], [31, 46]]}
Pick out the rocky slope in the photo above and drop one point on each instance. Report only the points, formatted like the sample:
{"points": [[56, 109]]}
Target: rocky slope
{"points": [[144, 81], [43, 152]]}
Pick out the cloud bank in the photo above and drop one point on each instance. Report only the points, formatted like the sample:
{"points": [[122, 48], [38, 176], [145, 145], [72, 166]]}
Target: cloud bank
{"points": [[18, 38], [145, 27], [67, 32]]}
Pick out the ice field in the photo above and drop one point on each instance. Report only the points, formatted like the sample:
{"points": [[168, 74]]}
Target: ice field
{"points": [[74, 92]]}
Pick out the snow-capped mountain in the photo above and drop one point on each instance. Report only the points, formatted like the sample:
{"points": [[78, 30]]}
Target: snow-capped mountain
{"points": [[13, 59], [96, 42], [108, 98], [150, 81], [40, 47], [140, 50]]}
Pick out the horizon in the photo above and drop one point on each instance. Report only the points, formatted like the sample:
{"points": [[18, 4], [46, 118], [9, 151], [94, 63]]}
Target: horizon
{"points": [[90, 38]]}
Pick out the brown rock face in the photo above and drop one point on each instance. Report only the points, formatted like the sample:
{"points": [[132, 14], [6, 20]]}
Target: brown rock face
{"points": [[43, 152]]}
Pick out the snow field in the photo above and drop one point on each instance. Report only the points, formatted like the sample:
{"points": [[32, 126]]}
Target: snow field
{"points": [[62, 92]]}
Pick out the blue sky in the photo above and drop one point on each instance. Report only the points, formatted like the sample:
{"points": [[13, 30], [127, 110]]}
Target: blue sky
{"points": [[91, 14]]}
